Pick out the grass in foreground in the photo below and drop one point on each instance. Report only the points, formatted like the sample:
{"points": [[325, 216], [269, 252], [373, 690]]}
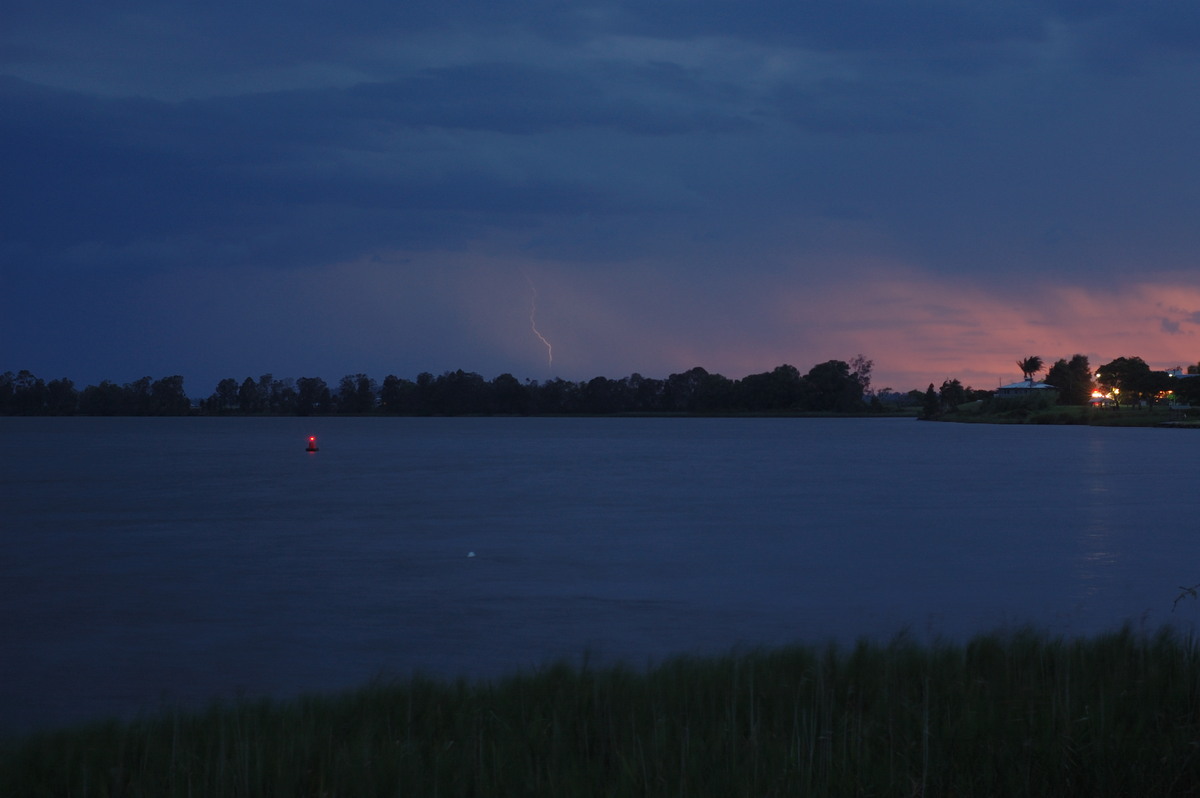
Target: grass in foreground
{"points": [[1020, 714]]}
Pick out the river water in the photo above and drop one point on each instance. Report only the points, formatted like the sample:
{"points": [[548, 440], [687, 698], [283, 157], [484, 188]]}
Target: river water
{"points": [[146, 562]]}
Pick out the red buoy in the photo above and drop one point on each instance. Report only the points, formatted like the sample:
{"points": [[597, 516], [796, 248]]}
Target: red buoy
{"points": [[312, 443]]}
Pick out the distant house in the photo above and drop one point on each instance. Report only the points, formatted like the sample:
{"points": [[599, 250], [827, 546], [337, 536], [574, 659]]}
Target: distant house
{"points": [[1026, 388], [1176, 402]]}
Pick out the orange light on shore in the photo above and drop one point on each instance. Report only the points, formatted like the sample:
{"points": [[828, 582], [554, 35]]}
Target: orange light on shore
{"points": [[312, 443]]}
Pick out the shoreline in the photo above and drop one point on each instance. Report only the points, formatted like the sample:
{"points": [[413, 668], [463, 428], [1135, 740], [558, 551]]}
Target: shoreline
{"points": [[1069, 415]]}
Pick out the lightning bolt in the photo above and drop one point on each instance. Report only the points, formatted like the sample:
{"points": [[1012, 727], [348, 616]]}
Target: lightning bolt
{"points": [[533, 320]]}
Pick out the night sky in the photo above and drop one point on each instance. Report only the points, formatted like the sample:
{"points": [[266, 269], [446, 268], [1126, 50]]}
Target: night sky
{"points": [[229, 189]]}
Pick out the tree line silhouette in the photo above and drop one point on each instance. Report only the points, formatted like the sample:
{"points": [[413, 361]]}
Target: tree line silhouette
{"points": [[833, 386], [830, 387]]}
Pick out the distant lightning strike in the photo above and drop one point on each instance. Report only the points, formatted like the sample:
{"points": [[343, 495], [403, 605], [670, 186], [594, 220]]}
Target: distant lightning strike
{"points": [[533, 321]]}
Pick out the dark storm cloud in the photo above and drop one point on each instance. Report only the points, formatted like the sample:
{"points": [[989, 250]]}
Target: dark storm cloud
{"points": [[222, 35], [880, 107], [520, 99], [940, 88], [918, 29], [876, 25], [742, 155], [88, 169]]}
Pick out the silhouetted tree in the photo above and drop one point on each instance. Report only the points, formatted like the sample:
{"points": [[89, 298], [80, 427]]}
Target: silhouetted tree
{"points": [[28, 396], [224, 398], [105, 399], [931, 403], [1126, 378], [557, 396], [461, 393], [860, 369], [312, 397], [951, 395], [426, 394], [509, 396], [680, 390], [693, 391], [250, 398], [600, 396], [167, 397], [138, 401], [1073, 379], [779, 389], [715, 393], [1030, 366], [356, 394], [645, 394], [281, 396], [397, 396], [61, 397], [1158, 386], [6, 392], [830, 386]]}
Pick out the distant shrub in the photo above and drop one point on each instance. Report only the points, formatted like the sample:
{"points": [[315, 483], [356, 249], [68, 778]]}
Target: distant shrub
{"points": [[1023, 405]]}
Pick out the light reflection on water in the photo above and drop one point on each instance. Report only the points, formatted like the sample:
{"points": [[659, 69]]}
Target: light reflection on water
{"points": [[188, 558], [1097, 541]]}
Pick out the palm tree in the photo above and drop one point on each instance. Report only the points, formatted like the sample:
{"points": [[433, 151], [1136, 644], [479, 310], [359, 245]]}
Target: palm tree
{"points": [[1030, 366]]}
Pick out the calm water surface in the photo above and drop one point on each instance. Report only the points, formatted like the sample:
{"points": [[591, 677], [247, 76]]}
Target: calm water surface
{"points": [[145, 561]]}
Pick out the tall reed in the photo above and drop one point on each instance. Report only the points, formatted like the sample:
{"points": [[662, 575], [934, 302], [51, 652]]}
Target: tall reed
{"points": [[1004, 714]]}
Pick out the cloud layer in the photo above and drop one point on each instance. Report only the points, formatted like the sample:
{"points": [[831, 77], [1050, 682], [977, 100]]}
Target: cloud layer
{"points": [[944, 188]]}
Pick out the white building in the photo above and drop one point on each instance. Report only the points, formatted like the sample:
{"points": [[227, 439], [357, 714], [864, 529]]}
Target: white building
{"points": [[1026, 387]]}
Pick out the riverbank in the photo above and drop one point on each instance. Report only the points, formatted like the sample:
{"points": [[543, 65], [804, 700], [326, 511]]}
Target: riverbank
{"points": [[981, 413], [1019, 714]]}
